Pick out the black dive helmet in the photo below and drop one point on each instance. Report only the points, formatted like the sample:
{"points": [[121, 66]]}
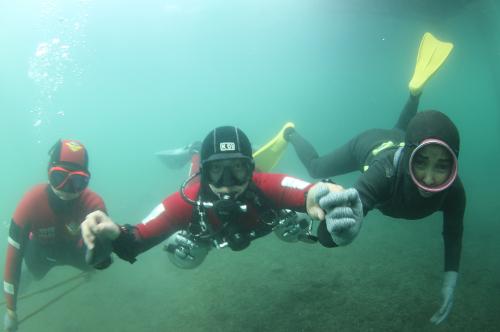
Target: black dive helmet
{"points": [[225, 143]]}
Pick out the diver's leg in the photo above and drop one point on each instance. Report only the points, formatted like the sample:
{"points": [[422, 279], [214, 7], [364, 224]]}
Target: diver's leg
{"points": [[337, 162], [408, 112], [350, 157], [177, 158], [36, 261]]}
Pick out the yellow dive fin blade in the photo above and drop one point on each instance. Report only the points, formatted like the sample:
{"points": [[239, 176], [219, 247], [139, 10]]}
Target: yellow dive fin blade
{"points": [[431, 55], [270, 154]]}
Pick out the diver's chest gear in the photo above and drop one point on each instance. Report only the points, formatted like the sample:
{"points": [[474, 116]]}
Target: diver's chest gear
{"points": [[227, 208], [229, 233], [188, 248]]}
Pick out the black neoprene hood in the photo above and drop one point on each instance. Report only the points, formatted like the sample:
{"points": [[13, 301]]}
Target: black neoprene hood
{"points": [[432, 124]]}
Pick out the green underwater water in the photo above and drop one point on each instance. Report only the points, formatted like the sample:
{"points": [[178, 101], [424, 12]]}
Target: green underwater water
{"points": [[132, 78]]}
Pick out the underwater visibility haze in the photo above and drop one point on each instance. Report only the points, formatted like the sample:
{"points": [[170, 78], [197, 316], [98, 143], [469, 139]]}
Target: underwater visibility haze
{"points": [[130, 78]]}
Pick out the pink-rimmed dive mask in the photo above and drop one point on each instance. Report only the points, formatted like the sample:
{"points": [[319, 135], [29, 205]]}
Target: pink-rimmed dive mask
{"points": [[452, 173]]}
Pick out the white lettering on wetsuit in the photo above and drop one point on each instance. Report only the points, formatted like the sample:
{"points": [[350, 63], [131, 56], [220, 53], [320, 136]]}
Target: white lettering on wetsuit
{"points": [[294, 183], [46, 234]]}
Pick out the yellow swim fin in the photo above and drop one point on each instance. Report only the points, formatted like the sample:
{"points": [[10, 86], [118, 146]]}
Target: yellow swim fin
{"points": [[431, 55], [270, 154]]}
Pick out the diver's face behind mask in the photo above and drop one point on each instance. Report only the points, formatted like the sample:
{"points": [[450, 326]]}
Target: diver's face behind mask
{"points": [[230, 176], [433, 167]]}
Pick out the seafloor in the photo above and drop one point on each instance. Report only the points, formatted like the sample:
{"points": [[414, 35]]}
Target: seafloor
{"points": [[388, 280]]}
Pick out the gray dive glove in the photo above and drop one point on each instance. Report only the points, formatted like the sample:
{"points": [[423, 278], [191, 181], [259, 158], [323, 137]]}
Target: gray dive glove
{"points": [[344, 214], [447, 293], [10, 321]]}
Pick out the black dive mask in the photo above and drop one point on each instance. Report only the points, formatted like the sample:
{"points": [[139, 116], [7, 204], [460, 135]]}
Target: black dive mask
{"points": [[228, 173]]}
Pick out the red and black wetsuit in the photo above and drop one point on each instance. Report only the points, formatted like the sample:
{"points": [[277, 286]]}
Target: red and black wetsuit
{"points": [[281, 192], [45, 232]]}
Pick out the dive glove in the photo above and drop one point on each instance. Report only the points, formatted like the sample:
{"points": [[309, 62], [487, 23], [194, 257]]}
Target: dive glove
{"points": [[10, 321], [447, 293], [344, 215]]}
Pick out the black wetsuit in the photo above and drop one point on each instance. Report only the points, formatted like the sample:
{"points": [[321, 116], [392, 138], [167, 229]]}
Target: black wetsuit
{"points": [[386, 184]]}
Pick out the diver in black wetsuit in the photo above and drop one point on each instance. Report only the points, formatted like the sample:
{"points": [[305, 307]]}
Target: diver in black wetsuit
{"points": [[409, 172]]}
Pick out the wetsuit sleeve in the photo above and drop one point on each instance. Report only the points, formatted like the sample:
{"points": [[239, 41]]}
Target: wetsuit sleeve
{"points": [[453, 217], [284, 191], [168, 217], [18, 236], [373, 186], [94, 202]]}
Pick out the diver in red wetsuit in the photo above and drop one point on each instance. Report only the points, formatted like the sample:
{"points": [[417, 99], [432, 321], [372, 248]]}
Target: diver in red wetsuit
{"points": [[293, 226], [45, 228], [230, 206]]}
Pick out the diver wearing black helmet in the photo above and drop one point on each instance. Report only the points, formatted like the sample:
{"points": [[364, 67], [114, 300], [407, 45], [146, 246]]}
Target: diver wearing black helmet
{"points": [[229, 207], [188, 248]]}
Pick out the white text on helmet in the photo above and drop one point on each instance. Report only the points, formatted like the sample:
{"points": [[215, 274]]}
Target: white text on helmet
{"points": [[227, 146]]}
